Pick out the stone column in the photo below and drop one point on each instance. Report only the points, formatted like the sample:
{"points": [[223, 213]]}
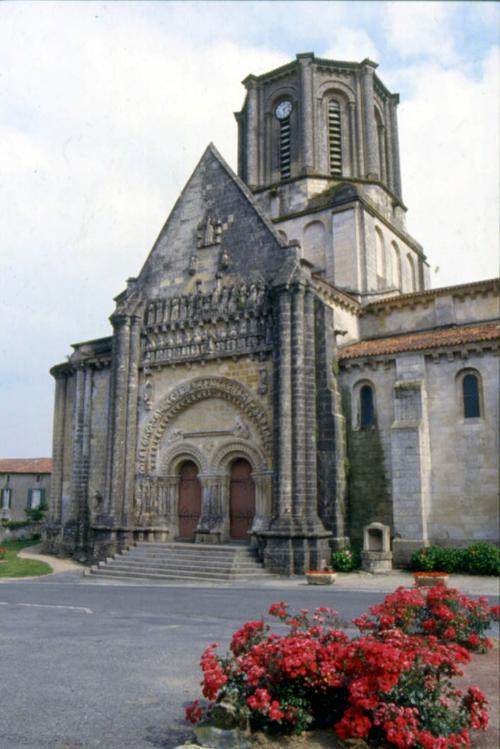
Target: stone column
{"points": [[118, 415], [58, 442], [372, 166], [311, 423], [132, 411], [330, 423], [75, 529], [394, 147], [283, 411], [263, 492], [251, 132], [360, 146], [210, 525], [389, 149], [353, 151], [306, 113], [298, 408]]}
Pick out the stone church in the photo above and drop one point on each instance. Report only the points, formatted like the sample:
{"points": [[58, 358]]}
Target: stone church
{"points": [[280, 373]]}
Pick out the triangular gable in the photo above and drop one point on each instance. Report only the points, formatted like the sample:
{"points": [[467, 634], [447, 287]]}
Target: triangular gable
{"points": [[215, 230]]}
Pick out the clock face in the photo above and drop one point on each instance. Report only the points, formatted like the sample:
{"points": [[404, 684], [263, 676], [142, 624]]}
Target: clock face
{"points": [[283, 110]]}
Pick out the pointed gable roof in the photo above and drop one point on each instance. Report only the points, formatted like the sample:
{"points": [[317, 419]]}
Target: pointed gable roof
{"points": [[214, 227]]}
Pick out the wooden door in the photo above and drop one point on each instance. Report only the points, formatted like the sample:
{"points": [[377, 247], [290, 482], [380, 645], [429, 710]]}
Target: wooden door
{"points": [[241, 499], [189, 499]]}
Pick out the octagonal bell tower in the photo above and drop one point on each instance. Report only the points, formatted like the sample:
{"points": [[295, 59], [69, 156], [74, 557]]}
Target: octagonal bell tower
{"points": [[321, 134]]}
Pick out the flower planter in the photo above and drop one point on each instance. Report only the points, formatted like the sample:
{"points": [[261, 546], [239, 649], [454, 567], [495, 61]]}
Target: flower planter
{"points": [[320, 578], [430, 579]]}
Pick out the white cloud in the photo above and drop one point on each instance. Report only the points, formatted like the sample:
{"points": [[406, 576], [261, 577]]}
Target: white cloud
{"points": [[450, 146], [352, 44], [417, 29]]}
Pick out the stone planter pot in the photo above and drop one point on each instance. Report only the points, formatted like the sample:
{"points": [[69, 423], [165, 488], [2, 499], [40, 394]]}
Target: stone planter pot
{"points": [[430, 579], [320, 578]]}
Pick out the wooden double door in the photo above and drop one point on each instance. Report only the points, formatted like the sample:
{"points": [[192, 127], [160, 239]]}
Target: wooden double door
{"points": [[241, 499]]}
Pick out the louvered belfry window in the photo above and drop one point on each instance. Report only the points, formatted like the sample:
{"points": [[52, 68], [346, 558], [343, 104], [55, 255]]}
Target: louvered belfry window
{"points": [[285, 148], [335, 138]]}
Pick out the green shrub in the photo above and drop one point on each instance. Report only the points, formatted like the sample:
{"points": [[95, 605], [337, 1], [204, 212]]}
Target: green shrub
{"points": [[37, 514], [478, 559], [482, 559], [13, 525], [345, 560]]}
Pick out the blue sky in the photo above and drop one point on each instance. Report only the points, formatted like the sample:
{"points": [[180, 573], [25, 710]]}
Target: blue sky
{"points": [[105, 108]]}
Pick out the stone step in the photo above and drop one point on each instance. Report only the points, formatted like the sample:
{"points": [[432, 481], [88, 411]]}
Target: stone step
{"points": [[184, 564], [188, 562], [189, 554], [183, 547], [150, 576], [200, 575], [192, 549]]}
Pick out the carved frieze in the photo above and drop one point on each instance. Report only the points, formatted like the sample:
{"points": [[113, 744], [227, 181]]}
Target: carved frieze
{"points": [[225, 321]]}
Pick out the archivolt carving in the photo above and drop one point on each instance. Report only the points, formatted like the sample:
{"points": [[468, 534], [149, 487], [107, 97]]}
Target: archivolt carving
{"points": [[186, 451], [187, 394], [238, 450]]}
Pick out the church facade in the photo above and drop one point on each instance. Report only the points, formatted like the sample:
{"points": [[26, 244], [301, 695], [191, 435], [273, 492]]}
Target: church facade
{"points": [[280, 373]]}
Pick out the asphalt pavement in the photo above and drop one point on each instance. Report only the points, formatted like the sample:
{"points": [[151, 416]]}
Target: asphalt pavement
{"points": [[89, 663]]}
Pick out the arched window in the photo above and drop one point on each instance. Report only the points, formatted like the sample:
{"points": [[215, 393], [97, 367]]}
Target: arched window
{"points": [[313, 243], [381, 144], [396, 265], [334, 138], [412, 281], [380, 258], [366, 407], [470, 394]]}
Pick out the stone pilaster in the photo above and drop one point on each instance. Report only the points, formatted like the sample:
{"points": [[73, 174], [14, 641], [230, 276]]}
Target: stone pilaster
{"points": [[372, 166], [410, 458], [306, 112], [282, 506], [132, 410], [252, 132], [311, 422], [298, 408], [354, 153], [58, 443], [76, 528], [210, 524], [394, 141], [118, 415], [331, 430]]}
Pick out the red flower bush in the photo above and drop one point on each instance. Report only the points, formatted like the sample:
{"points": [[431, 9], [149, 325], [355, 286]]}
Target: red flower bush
{"points": [[394, 683], [443, 612]]}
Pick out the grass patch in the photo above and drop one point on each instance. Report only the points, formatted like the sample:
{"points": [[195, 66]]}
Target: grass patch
{"points": [[13, 566]]}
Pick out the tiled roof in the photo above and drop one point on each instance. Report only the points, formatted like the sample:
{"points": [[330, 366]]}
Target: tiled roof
{"points": [[418, 341], [25, 465], [488, 284]]}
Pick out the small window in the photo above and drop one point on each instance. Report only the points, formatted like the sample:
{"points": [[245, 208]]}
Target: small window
{"points": [[366, 407], [35, 498], [470, 390], [282, 113], [335, 138], [285, 148], [5, 499]]}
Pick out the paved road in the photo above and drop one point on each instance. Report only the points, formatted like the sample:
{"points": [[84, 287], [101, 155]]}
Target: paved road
{"points": [[88, 664]]}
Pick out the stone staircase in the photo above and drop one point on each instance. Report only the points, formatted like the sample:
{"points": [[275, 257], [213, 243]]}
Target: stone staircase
{"points": [[183, 561]]}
